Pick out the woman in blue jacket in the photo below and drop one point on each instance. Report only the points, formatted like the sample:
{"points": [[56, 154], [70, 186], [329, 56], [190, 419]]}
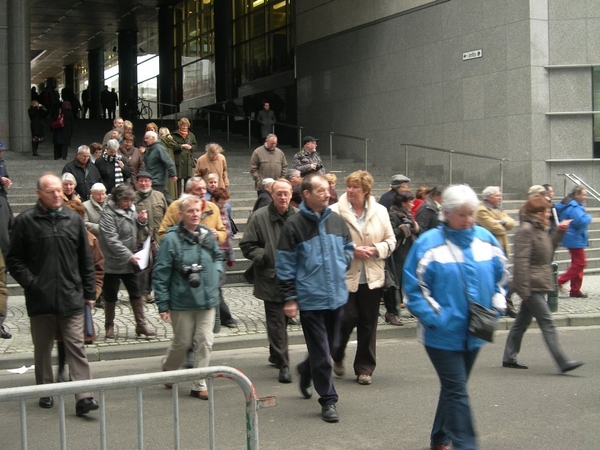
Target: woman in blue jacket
{"points": [[576, 238], [187, 272], [446, 268]]}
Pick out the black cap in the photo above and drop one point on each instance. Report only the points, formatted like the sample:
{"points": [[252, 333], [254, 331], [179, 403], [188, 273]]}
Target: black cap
{"points": [[143, 174], [308, 139]]}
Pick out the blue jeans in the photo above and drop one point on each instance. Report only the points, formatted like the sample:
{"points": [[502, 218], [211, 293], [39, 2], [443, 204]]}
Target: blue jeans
{"points": [[453, 421]]}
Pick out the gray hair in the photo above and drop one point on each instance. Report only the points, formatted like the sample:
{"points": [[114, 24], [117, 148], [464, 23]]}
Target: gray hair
{"points": [[459, 195], [190, 181], [98, 187], [270, 135], [152, 133], [68, 177], [122, 192], [112, 144], [489, 191], [82, 148], [291, 173], [267, 181]]}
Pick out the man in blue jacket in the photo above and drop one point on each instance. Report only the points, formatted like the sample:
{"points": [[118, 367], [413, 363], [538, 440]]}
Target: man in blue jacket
{"points": [[576, 238], [314, 252]]}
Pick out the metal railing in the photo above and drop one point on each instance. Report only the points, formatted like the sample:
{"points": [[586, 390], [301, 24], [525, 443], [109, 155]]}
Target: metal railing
{"points": [[451, 154], [101, 385], [578, 181], [250, 120]]}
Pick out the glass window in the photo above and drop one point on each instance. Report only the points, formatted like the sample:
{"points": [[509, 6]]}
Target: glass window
{"points": [[263, 38]]}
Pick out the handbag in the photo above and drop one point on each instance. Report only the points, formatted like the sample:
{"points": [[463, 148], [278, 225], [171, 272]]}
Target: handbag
{"points": [[59, 122], [482, 321], [389, 272]]}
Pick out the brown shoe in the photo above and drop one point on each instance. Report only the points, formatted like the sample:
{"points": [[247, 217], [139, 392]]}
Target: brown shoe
{"points": [[578, 295], [338, 369], [393, 320], [364, 379], [202, 395]]}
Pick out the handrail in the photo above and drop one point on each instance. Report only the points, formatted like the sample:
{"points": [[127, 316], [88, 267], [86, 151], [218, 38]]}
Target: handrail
{"points": [[250, 119], [451, 154], [578, 181], [138, 381]]}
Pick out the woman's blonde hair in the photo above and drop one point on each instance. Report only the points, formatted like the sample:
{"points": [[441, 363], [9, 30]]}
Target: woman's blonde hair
{"points": [[363, 178], [183, 122], [212, 148]]}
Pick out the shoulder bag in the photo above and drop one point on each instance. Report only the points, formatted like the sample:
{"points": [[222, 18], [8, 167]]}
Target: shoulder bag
{"points": [[482, 320], [59, 122]]}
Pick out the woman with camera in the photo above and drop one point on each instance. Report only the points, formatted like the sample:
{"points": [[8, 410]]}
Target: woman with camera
{"points": [[187, 272]]}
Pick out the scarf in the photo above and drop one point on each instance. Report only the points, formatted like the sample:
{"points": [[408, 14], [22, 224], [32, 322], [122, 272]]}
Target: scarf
{"points": [[114, 159], [183, 133]]}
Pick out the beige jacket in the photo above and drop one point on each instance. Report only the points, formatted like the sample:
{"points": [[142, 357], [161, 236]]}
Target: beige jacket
{"points": [[490, 219], [211, 217], [377, 232]]}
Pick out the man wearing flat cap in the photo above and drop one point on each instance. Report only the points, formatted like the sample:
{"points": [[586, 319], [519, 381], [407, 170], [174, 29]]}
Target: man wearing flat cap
{"points": [[307, 160], [398, 183]]}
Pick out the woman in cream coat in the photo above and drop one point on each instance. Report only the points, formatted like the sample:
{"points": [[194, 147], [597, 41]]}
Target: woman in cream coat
{"points": [[372, 233]]}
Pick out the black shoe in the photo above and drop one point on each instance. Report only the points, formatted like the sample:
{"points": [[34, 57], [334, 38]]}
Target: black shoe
{"points": [[510, 312], [514, 365], [85, 405], [284, 375], [329, 414], [292, 321], [4, 334], [305, 384], [229, 323], [46, 402], [571, 365]]}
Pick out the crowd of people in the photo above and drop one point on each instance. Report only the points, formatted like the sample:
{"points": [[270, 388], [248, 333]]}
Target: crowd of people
{"points": [[312, 251]]}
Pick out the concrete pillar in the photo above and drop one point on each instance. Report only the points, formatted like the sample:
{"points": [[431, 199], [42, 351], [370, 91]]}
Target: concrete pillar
{"points": [[166, 41], [223, 51], [127, 68], [19, 75], [95, 79]]}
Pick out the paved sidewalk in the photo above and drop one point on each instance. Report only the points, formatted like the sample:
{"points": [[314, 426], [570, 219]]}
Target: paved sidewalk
{"points": [[251, 331]]}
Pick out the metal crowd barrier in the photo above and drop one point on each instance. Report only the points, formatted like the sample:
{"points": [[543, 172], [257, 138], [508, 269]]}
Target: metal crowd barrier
{"points": [[138, 382]]}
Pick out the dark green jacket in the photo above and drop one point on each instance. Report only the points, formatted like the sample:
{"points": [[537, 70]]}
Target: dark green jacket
{"points": [[172, 290]]}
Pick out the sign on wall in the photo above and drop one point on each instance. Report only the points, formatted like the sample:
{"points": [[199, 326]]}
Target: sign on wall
{"points": [[473, 54]]}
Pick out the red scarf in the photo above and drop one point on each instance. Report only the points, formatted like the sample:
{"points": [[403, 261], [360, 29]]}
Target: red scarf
{"points": [[183, 133]]}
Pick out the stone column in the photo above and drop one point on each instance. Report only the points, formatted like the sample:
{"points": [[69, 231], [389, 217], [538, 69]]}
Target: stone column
{"points": [[95, 79], [19, 75], [127, 69], [166, 41]]}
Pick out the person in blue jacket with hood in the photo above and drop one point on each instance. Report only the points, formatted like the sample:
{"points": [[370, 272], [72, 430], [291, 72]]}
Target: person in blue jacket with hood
{"points": [[446, 268], [576, 238]]}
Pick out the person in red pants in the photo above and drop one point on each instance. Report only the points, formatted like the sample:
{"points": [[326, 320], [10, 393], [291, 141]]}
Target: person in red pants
{"points": [[576, 238]]}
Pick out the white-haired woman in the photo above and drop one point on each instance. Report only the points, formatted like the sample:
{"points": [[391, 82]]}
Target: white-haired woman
{"points": [[69, 183], [93, 208], [470, 255]]}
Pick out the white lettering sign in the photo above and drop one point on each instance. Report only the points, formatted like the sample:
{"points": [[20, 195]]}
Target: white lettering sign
{"points": [[473, 54]]}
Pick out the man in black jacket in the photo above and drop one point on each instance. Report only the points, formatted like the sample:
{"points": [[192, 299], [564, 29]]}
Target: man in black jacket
{"points": [[51, 258], [259, 243], [86, 174], [112, 166]]}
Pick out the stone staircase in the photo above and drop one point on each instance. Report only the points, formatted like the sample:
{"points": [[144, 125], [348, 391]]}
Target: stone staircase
{"points": [[25, 170]]}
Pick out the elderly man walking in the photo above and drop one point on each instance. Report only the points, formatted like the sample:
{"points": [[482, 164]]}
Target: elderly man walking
{"points": [[50, 257], [267, 161], [307, 160], [86, 173], [314, 252], [158, 163], [489, 215], [260, 240]]}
